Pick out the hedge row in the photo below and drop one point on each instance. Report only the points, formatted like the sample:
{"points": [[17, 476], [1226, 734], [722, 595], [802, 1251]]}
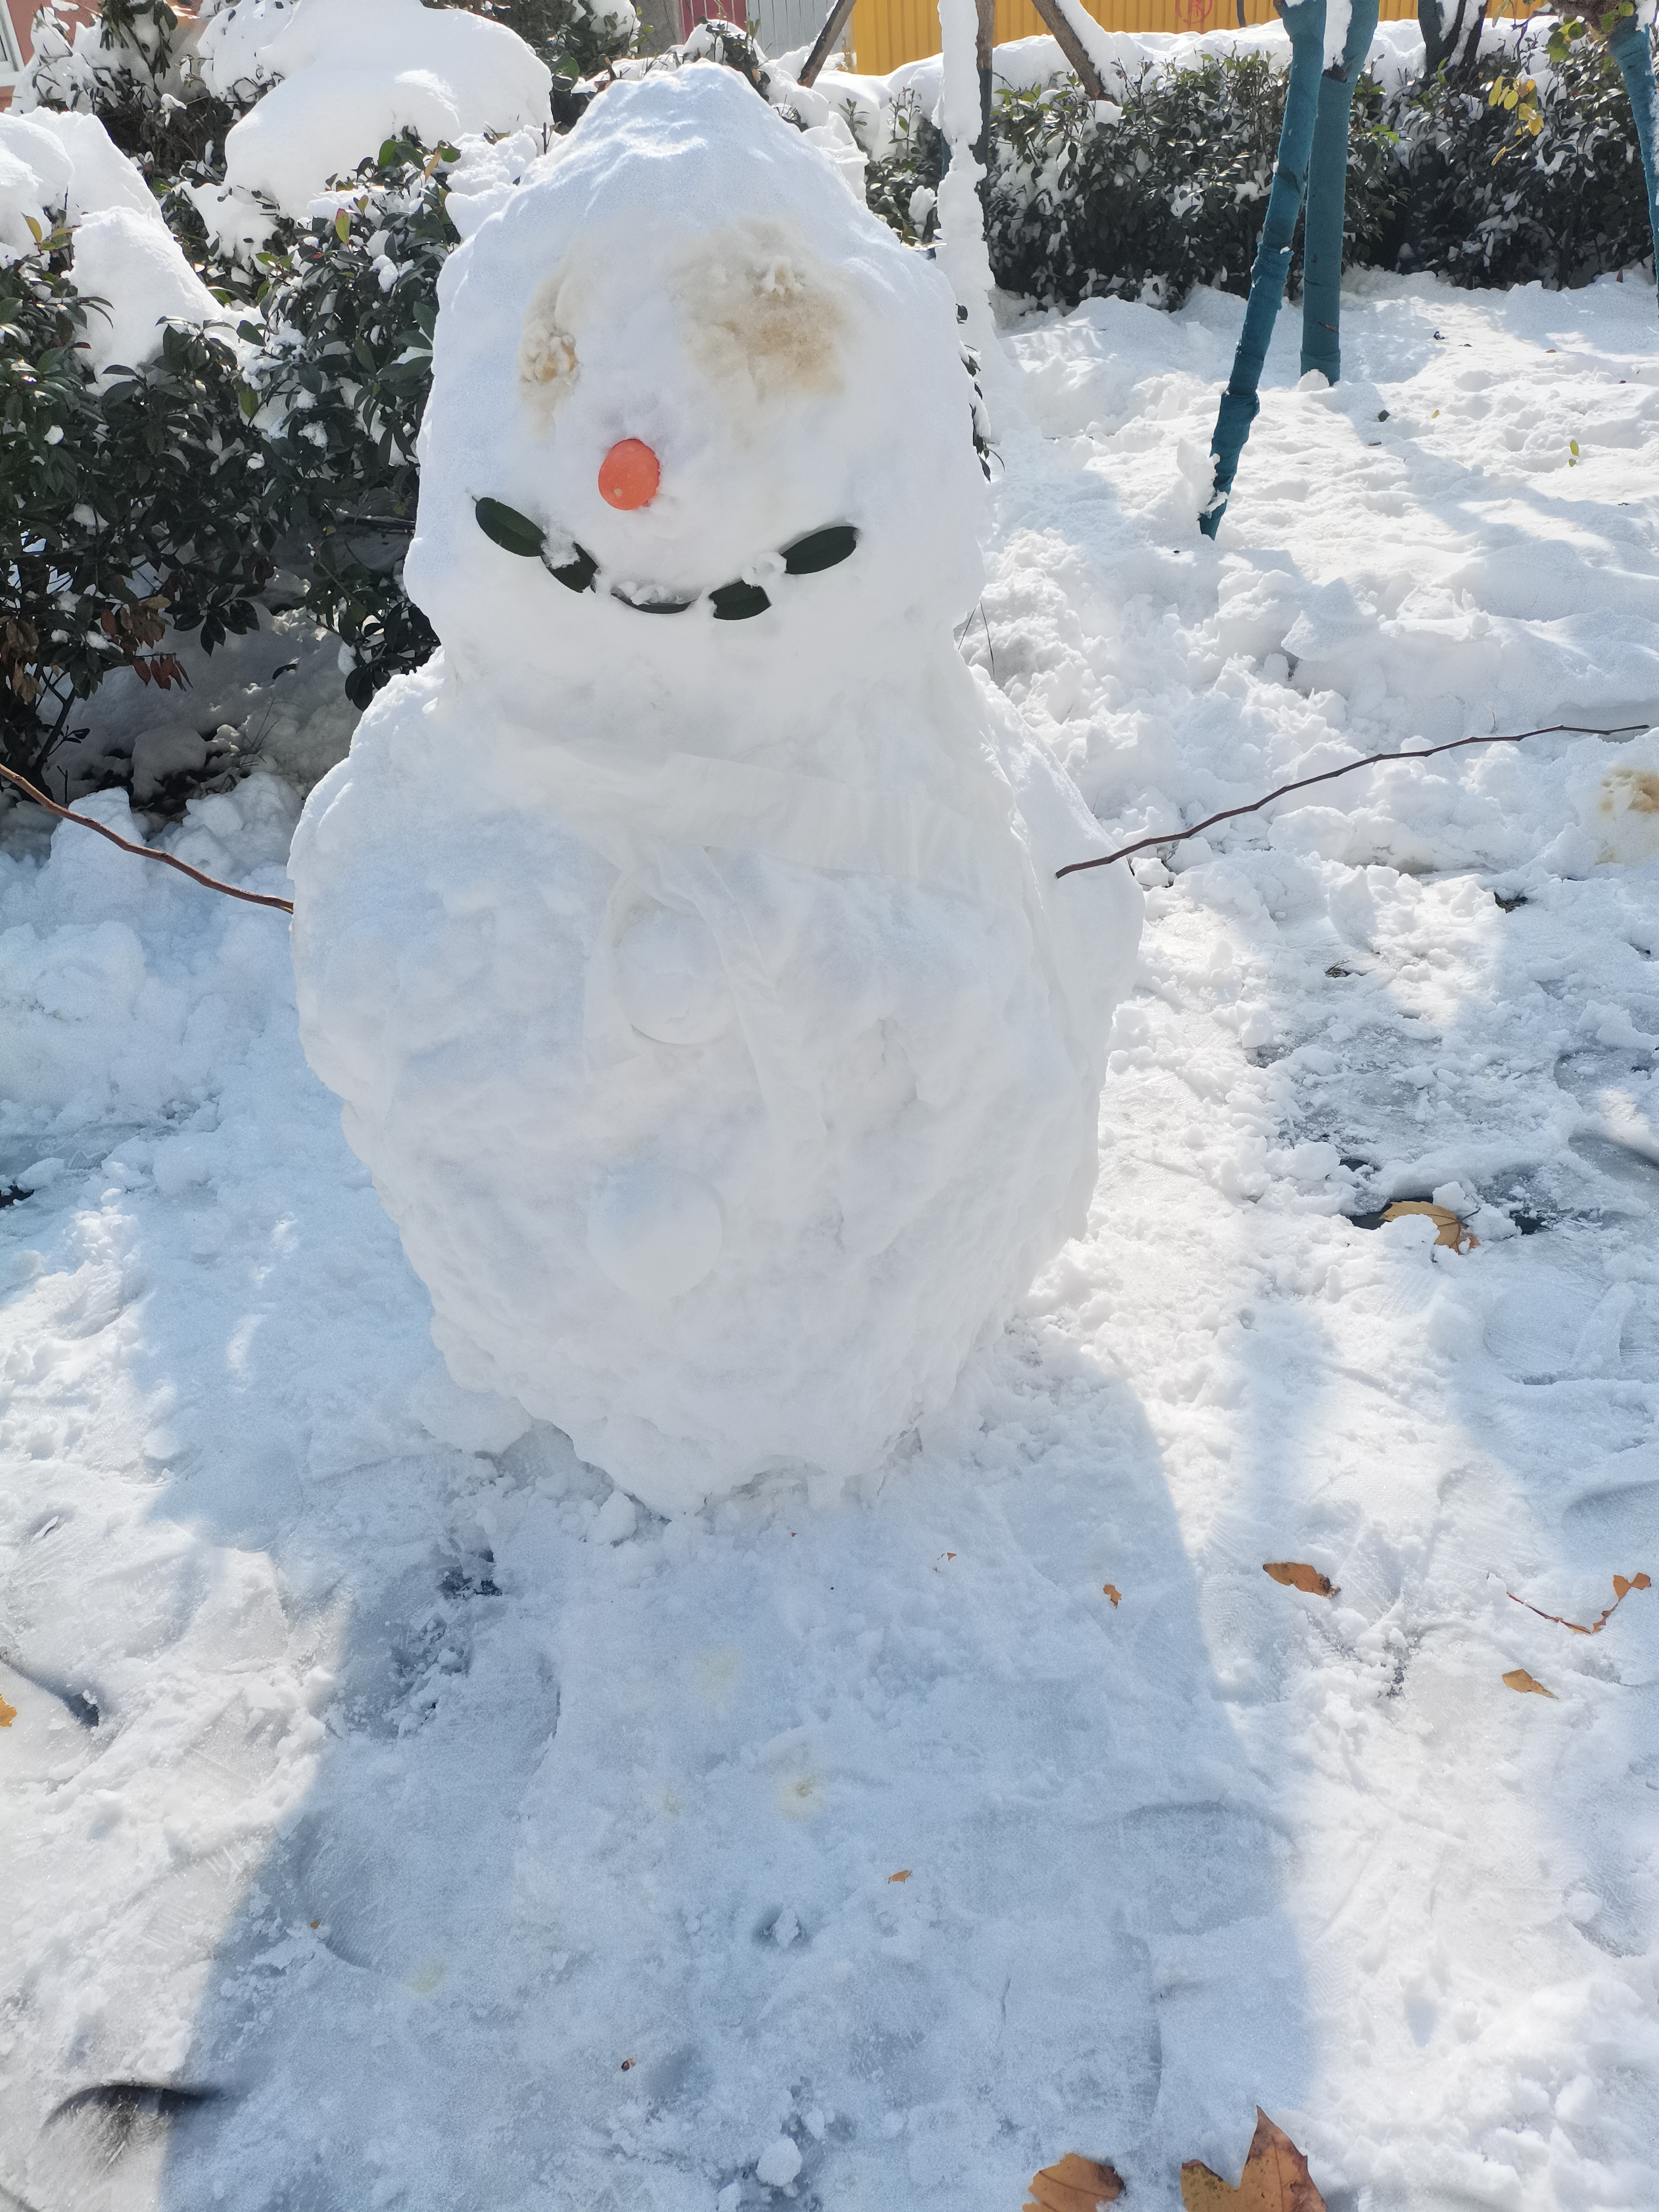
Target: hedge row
{"points": [[1169, 191]]}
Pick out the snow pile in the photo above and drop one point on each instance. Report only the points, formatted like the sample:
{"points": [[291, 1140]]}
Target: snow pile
{"points": [[126, 259], [691, 972], [346, 75]]}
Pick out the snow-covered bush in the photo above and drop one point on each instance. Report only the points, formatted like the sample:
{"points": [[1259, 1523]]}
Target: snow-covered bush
{"points": [[575, 38], [1151, 197], [132, 505], [1559, 199], [341, 77], [901, 184], [1166, 190], [133, 66], [340, 388]]}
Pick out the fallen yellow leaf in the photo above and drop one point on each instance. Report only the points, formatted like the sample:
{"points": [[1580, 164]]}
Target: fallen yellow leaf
{"points": [[1112, 1591], [1296, 1575], [1448, 1230], [8, 1714], [903, 1874], [1518, 1679], [1074, 2184], [1275, 2178]]}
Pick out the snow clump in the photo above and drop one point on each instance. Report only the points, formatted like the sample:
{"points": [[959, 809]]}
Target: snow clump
{"points": [[347, 74], [128, 265], [683, 939]]}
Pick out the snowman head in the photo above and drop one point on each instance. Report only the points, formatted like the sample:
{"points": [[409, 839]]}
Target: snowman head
{"points": [[695, 413]]}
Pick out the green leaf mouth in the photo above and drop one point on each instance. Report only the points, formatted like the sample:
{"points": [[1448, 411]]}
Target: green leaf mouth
{"points": [[735, 602]]}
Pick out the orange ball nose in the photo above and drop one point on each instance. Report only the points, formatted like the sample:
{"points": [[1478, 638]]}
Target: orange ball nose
{"points": [[629, 474]]}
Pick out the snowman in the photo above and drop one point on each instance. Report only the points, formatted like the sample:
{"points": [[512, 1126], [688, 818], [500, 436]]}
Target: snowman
{"points": [[682, 939]]}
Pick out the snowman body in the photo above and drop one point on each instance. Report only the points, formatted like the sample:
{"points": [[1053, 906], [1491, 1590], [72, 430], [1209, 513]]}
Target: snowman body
{"points": [[683, 940]]}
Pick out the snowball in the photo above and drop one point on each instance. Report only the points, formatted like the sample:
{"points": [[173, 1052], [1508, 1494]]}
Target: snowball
{"points": [[778, 2164], [699, 990], [352, 73], [616, 1520]]}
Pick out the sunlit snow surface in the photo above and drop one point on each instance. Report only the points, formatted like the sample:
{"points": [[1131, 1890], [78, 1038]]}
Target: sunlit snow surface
{"points": [[457, 1838]]}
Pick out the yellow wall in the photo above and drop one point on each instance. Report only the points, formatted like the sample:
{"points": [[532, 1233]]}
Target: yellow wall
{"points": [[888, 31]]}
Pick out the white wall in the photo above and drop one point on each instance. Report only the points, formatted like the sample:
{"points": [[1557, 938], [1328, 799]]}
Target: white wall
{"points": [[11, 56], [784, 24]]}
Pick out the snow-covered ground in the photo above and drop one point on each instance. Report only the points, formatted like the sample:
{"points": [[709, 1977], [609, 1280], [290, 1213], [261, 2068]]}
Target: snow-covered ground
{"points": [[392, 1823]]}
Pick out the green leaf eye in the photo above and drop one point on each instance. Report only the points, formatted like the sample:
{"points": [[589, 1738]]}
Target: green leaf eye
{"points": [[505, 528]]}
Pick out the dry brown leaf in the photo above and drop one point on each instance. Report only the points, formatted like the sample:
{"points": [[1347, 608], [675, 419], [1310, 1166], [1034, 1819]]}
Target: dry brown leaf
{"points": [[1112, 1591], [1275, 2178], [1296, 1574], [8, 1714], [1622, 1587], [1518, 1679], [1448, 1230], [903, 1874], [1074, 2184]]}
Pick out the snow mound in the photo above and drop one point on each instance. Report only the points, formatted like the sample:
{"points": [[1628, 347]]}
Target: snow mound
{"points": [[692, 983], [36, 177], [125, 257], [346, 75]]}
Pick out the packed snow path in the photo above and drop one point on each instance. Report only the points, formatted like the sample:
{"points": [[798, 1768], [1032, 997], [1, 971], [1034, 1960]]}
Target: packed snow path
{"points": [[443, 1833]]}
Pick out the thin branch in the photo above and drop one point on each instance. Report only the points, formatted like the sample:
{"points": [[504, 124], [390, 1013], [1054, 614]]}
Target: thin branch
{"points": [[1622, 1587], [1304, 783], [143, 851]]}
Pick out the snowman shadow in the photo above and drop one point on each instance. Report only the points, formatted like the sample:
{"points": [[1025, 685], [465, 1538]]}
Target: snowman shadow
{"points": [[872, 1830]]}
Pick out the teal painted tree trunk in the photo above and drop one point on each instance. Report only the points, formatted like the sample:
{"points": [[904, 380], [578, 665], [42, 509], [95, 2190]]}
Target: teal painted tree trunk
{"points": [[1313, 161], [1629, 44], [1328, 189]]}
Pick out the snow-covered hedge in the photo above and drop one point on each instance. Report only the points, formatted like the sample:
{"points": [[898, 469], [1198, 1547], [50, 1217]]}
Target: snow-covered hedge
{"points": [[1163, 188], [1170, 192], [134, 504], [1488, 202], [340, 385]]}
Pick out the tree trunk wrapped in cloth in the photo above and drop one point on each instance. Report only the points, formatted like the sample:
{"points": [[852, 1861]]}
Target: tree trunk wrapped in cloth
{"points": [[1330, 41], [1629, 35]]}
